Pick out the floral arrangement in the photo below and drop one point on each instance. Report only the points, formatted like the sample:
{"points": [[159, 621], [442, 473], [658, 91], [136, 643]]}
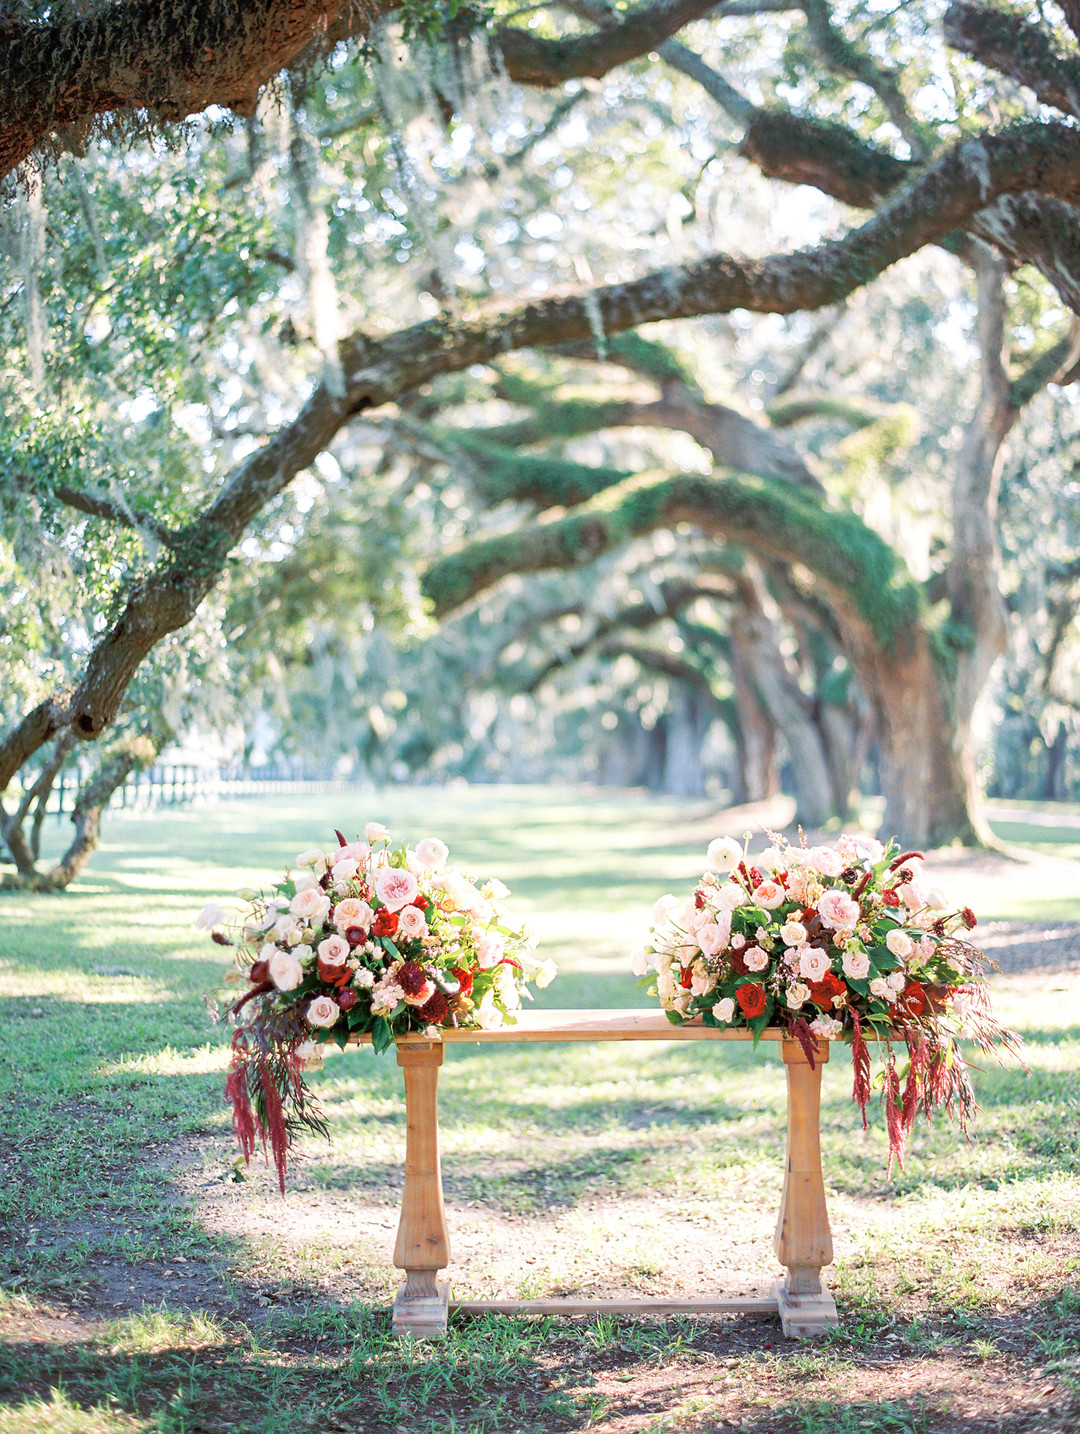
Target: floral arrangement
{"points": [[833, 942], [365, 938]]}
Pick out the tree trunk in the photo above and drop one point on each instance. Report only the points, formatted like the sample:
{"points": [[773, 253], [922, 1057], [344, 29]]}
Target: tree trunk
{"points": [[759, 775]]}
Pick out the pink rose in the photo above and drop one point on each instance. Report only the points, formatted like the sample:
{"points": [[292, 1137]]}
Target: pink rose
{"points": [[357, 851], [770, 895], [755, 959], [856, 965], [333, 951], [352, 912], [285, 970], [395, 888], [837, 909], [813, 963], [713, 936], [826, 860], [323, 1011], [411, 924], [312, 906], [489, 951]]}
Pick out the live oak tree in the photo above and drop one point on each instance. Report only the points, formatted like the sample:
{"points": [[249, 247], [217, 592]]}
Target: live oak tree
{"points": [[854, 107]]}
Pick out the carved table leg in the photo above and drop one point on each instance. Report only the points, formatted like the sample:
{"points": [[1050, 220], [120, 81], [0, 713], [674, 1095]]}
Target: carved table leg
{"points": [[803, 1240], [423, 1246]]}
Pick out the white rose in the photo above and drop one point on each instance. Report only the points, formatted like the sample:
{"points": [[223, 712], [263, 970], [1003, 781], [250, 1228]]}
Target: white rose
{"points": [[897, 980], [724, 1010], [309, 1054], [285, 970], [880, 988], [793, 933], [305, 880], [313, 858], [334, 951], [431, 853], [723, 854], [665, 986], [702, 981], [323, 1011], [856, 965], [312, 906], [343, 871], [899, 943], [738, 941], [375, 831], [798, 993], [507, 987], [495, 889], [352, 912], [411, 924], [487, 1014]]}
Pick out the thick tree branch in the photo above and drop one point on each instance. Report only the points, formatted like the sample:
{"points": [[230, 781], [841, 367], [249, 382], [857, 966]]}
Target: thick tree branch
{"points": [[112, 512], [66, 69], [1007, 42]]}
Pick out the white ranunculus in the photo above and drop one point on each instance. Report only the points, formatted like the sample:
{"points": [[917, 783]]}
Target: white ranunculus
{"points": [[663, 909], [210, 916], [431, 853], [723, 853], [546, 974]]}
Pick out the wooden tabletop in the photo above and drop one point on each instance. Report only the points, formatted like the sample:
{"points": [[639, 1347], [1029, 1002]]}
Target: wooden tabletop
{"points": [[639, 1025]]}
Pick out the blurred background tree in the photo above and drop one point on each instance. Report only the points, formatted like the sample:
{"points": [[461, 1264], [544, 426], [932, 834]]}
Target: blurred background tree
{"points": [[325, 428]]}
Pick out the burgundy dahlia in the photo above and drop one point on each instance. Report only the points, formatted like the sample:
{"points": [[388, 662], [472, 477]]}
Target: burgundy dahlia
{"points": [[411, 978], [434, 1009]]}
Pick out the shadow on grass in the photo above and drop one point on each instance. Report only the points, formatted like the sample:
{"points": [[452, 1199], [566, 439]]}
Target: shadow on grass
{"points": [[339, 1367]]}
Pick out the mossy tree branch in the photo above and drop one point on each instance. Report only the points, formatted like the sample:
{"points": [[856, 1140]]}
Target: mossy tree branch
{"points": [[1007, 42]]}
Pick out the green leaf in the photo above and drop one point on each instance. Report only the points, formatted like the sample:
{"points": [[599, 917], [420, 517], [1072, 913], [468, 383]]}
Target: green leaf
{"points": [[382, 1034], [341, 1036], [389, 946], [674, 1017]]}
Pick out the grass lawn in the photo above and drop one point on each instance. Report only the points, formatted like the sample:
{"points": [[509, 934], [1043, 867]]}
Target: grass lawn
{"points": [[147, 1283]]}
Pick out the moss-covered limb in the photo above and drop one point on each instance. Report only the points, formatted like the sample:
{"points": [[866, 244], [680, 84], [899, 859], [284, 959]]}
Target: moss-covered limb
{"points": [[532, 59], [732, 101], [642, 356], [1053, 365], [844, 57], [860, 572], [499, 474], [1013, 45], [1028, 228], [173, 58], [842, 410], [734, 440], [675, 597]]}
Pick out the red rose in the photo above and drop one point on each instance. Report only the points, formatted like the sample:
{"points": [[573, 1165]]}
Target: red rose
{"points": [[914, 999], [333, 975], [890, 898], [463, 978], [823, 991], [385, 923], [752, 1000], [686, 976]]}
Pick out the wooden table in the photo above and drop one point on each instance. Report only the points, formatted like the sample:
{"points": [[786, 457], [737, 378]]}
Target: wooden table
{"points": [[803, 1241]]}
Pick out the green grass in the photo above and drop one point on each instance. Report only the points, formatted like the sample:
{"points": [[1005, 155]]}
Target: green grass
{"points": [[195, 1301]]}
